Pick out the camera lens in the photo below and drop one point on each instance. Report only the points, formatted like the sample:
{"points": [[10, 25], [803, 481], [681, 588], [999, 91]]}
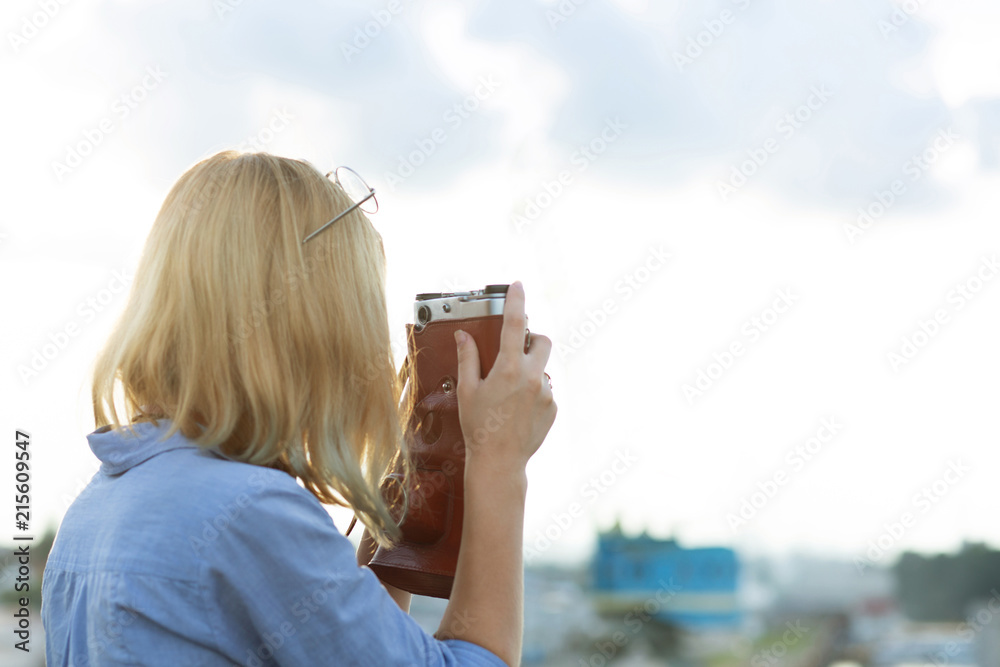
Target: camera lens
{"points": [[423, 315]]}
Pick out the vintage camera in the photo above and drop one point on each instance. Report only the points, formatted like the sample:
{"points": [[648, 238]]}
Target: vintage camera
{"points": [[429, 505]]}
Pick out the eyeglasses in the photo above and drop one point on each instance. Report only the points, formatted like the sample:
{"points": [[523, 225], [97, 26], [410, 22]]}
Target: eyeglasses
{"points": [[354, 187]]}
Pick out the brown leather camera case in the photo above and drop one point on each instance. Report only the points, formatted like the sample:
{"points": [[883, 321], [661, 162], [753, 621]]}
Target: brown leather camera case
{"points": [[424, 560]]}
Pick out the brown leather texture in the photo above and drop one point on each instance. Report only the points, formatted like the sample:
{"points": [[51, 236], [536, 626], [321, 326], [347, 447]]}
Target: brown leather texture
{"points": [[431, 507]]}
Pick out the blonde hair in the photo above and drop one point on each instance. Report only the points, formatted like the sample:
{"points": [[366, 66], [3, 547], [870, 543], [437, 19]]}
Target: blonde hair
{"points": [[276, 352]]}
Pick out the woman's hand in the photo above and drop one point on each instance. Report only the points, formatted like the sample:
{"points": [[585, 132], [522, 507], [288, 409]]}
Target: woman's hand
{"points": [[506, 416], [504, 420], [366, 550]]}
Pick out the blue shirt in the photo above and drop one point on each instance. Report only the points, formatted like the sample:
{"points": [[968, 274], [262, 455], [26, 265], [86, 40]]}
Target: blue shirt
{"points": [[177, 555]]}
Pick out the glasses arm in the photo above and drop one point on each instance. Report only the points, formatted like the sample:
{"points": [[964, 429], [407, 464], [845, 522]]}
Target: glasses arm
{"points": [[371, 193]]}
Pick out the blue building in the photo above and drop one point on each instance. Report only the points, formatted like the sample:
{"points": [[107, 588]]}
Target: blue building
{"points": [[695, 589]]}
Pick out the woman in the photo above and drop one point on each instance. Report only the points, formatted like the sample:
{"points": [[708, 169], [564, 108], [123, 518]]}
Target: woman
{"points": [[230, 409]]}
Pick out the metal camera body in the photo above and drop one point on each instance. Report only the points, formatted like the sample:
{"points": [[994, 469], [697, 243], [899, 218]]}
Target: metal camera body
{"points": [[436, 306], [429, 503]]}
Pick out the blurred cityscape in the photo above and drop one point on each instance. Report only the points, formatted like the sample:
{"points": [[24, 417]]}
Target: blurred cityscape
{"points": [[643, 602]]}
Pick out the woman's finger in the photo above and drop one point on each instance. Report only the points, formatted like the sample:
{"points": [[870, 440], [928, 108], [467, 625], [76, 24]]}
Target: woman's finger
{"points": [[514, 322], [468, 362]]}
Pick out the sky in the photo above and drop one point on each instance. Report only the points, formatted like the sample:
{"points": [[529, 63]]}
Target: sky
{"points": [[761, 233]]}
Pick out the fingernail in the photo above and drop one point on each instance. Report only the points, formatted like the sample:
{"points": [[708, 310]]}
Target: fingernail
{"points": [[460, 337], [517, 283]]}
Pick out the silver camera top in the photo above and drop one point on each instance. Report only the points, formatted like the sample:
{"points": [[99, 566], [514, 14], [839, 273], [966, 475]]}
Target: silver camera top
{"points": [[433, 306]]}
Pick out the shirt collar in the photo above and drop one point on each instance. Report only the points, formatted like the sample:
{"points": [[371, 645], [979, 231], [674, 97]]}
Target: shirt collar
{"points": [[121, 449]]}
